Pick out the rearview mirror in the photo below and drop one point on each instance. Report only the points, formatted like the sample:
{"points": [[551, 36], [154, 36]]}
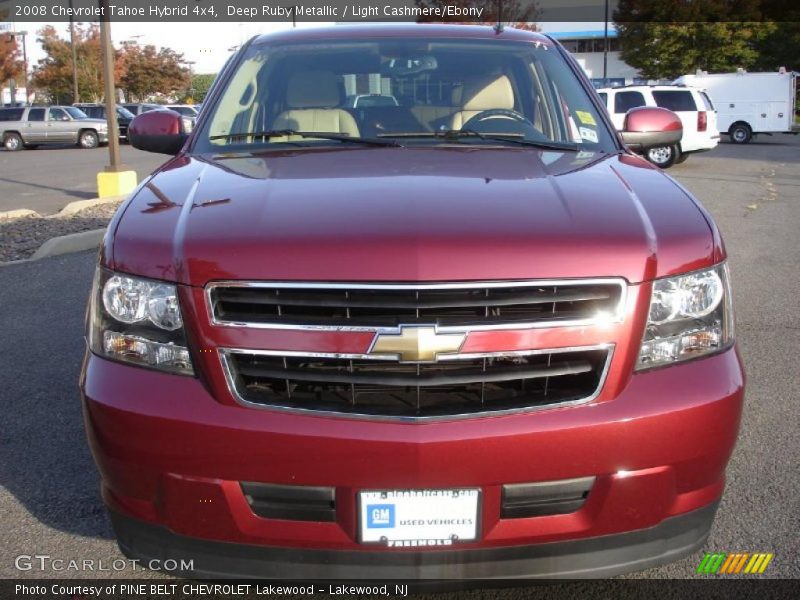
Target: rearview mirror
{"points": [[647, 127], [161, 131], [404, 67]]}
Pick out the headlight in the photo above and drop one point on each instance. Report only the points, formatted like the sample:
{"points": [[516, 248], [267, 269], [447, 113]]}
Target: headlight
{"points": [[188, 124], [690, 316], [137, 320]]}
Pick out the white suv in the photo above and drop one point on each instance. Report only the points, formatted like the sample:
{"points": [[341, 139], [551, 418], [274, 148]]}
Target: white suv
{"points": [[693, 106]]}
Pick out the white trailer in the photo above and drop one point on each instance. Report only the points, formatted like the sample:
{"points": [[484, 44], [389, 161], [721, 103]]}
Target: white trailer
{"points": [[749, 103]]}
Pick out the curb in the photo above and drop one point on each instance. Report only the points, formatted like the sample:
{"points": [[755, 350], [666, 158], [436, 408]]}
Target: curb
{"points": [[66, 244], [69, 210]]}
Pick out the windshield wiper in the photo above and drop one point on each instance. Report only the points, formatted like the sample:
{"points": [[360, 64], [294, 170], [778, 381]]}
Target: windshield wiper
{"points": [[341, 137], [514, 138]]}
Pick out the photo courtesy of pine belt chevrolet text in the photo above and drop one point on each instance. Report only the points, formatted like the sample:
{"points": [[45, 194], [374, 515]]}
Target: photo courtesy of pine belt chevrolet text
{"points": [[403, 304]]}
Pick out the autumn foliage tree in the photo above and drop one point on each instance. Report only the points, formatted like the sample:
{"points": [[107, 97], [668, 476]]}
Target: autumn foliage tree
{"points": [[53, 74], [10, 60], [147, 71], [138, 71]]}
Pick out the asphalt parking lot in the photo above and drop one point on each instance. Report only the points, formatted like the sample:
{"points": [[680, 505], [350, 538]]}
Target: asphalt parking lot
{"points": [[49, 495], [48, 178]]}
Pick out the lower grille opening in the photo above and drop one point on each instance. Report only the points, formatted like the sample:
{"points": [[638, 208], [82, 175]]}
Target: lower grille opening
{"points": [[521, 500], [291, 502], [390, 388]]}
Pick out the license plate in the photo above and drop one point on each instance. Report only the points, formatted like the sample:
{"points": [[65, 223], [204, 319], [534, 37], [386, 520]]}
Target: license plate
{"points": [[418, 517]]}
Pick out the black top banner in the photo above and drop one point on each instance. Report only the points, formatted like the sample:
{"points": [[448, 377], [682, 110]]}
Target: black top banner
{"points": [[508, 11]]}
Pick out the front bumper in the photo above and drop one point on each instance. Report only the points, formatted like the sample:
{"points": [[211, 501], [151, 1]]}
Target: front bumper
{"points": [[594, 557], [172, 457]]}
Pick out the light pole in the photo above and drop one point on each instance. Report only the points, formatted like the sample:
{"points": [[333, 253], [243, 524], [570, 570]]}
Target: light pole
{"points": [[605, 47], [75, 95], [22, 34], [116, 179], [191, 64]]}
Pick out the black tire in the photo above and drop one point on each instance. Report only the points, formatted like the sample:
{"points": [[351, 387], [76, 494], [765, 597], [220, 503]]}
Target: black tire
{"points": [[682, 157], [663, 156], [13, 142], [88, 139], [740, 133]]}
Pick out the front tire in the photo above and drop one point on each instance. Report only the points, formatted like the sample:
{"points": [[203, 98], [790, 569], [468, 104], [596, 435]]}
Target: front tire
{"points": [[740, 133], [88, 140], [13, 142], [663, 156]]}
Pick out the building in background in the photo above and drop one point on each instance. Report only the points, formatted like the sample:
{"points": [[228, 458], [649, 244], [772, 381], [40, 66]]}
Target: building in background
{"points": [[585, 42], [587, 48], [20, 96]]}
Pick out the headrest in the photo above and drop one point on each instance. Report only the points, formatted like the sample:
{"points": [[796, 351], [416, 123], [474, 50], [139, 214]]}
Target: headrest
{"points": [[313, 89], [488, 93]]}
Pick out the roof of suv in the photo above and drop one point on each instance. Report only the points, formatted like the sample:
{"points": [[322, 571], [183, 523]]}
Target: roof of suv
{"points": [[655, 87], [403, 30]]}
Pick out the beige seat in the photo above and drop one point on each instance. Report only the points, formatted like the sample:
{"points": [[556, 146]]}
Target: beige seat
{"points": [[312, 98], [480, 95]]}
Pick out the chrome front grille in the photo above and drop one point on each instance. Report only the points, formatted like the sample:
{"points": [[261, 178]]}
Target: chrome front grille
{"points": [[464, 385], [487, 305]]}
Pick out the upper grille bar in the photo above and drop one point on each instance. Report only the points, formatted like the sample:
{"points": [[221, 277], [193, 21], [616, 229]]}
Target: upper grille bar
{"points": [[377, 307]]}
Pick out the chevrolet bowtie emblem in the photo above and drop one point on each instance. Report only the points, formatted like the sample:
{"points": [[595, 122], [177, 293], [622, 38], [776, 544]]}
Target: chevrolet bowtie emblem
{"points": [[417, 344]]}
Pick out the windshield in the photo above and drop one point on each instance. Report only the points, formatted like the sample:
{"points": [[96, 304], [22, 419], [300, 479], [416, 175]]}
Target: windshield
{"points": [[409, 90], [75, 113], [124, 112]]}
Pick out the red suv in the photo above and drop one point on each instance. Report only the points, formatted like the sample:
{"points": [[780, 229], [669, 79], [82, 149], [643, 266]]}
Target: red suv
{"points": [[467, 335]]}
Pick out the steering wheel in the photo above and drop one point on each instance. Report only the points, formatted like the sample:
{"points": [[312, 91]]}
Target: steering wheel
{"points": [[485, 115]]}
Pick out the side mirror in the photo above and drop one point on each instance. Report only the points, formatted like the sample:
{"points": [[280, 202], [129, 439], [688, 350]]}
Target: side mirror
{"points": [[161, 131], [648, 127]]}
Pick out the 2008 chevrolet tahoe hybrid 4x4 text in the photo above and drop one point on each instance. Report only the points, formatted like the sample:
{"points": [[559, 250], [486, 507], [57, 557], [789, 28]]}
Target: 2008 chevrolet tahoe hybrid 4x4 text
{"points": [[469, 335]]}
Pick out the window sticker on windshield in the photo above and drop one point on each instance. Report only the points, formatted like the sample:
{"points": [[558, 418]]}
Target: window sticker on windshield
{"points": [[590, 135], [585, 117]]}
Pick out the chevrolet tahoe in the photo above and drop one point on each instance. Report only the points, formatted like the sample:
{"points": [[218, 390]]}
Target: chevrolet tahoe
{"points": [[470, 335]]}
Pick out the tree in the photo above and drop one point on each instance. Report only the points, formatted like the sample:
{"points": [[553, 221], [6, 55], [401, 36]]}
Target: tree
{"points": [[201, 84], [10, 63], [139, 71], [53, 74], [674, 37], [147, 71], [520, 14]]}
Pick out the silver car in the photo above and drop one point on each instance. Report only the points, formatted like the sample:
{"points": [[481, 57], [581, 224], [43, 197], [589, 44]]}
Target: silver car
{"points": [[32, 126]]}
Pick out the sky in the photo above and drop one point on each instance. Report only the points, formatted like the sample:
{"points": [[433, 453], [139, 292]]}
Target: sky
{"points": [[208, 44]]}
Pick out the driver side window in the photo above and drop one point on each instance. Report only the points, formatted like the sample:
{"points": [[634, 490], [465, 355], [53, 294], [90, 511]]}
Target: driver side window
{"points": [[57, 114]]}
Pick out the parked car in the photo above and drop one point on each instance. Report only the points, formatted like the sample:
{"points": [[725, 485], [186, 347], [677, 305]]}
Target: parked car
{"points": [[137, 109], [692, 105], [370, 100], [472, 335], [98, 111], [184, 109], [750, 103], [30, 127]]}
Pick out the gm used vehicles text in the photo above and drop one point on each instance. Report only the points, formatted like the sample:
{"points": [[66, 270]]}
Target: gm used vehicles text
{"points": [[466, 334]]}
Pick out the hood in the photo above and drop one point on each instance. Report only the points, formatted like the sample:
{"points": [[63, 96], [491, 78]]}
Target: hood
{"points": [[410, 214]]}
